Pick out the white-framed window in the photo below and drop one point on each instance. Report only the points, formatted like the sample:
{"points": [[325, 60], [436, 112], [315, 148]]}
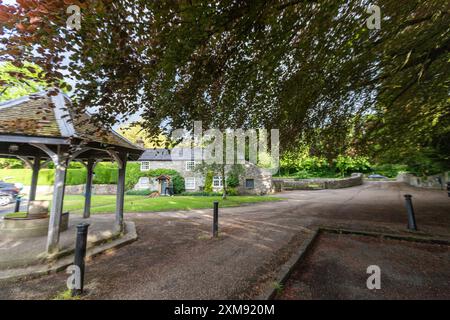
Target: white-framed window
{"points": [[145, 165], [190, 165], [217, 182], [189, 183]]}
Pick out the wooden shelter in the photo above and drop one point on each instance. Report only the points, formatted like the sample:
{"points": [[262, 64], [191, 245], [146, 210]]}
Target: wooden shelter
{"points": [[43, 128]]}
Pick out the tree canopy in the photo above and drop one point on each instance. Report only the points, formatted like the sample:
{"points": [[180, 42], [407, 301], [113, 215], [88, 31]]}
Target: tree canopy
{"points": [[309, 68], [19, 81]]}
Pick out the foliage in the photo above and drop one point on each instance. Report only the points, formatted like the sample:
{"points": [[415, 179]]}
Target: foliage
{"points": [[201, 194], [389, 170], [66, 295], [144, 192], [46, 176], [18, 81], [346, 164], [426, 163], [209, 181], [16, 215], [305, 166], [136, 133], [235, 172], [106, 173], [134, 172], [11, 164], [132, 175], [310, 68], [265, 160], [232, 192], [19, 164], [178, 183]]}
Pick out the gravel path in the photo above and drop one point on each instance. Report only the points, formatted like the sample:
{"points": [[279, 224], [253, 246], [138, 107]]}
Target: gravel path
{"points": [[175, 258]]}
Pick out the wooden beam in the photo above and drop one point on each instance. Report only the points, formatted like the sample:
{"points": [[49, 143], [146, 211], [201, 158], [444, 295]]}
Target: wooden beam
{"points": [[120, 159], [61, 161], [120, 194], [34, 178], [57, 204], [88, 189]]}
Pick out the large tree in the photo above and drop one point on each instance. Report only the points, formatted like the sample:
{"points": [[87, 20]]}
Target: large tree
{"points": [[310, 68]]}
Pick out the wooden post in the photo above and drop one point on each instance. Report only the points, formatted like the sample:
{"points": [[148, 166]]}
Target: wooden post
{"points": [[88, 191], [57, 204], [34, 178], [120, 195]]}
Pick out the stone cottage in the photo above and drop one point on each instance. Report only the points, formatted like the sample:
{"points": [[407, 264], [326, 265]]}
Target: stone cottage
{"points": [[255, 180]]}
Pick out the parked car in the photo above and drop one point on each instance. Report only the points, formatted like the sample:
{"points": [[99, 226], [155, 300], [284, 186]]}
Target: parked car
{"points": [[8, 193], [376, 176]]}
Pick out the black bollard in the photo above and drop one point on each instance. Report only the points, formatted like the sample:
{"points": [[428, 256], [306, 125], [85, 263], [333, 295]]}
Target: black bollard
{"points": [[17, 207], [448, 188], [80, 253], [411, 216], [216, 219]]}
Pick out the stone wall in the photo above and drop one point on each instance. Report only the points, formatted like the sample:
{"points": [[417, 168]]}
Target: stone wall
{"points": [[103, 189], [437, 181], [356, 179]]}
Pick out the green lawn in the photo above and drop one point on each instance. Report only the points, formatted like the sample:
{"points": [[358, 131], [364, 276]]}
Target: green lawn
{"points": [[107, 204]]}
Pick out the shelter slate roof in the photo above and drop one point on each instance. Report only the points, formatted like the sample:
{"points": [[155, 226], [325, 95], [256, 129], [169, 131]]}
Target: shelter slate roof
{"points": [[41, 115]]}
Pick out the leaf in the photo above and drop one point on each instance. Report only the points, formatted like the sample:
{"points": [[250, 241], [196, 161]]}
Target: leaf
{"points": [[407, 59]]}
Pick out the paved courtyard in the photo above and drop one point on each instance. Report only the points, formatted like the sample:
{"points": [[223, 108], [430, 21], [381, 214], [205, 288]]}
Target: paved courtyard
{"points": [[336, 268], [175, 258]]}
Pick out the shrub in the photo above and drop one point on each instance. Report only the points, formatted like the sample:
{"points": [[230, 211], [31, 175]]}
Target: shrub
{"points": [[389, 170], [232, 192], [75, 176], [233, 175], [209, 181], [144, 192], [346, 164], [75, 165], [133, 174], [178, 183], [201, 194], [11, 164], [105, 173]]}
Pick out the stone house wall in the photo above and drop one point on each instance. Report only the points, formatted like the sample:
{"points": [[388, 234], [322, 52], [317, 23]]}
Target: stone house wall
{"points": [[262, 178], [179, 166]]}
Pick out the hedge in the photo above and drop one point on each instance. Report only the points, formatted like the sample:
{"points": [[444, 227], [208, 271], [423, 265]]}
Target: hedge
{"points": [[105, 173], [46, 176]]}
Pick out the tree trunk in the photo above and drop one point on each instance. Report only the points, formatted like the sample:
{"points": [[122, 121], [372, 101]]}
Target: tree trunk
{"points": [[224, 183]]}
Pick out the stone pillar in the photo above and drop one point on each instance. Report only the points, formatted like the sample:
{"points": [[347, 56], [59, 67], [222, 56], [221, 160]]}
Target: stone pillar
{"points": [[34, 178], [57, 204], [118, 226], [88, 190]]}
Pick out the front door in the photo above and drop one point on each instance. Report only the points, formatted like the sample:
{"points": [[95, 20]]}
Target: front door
{"points": [[163, 186]]}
